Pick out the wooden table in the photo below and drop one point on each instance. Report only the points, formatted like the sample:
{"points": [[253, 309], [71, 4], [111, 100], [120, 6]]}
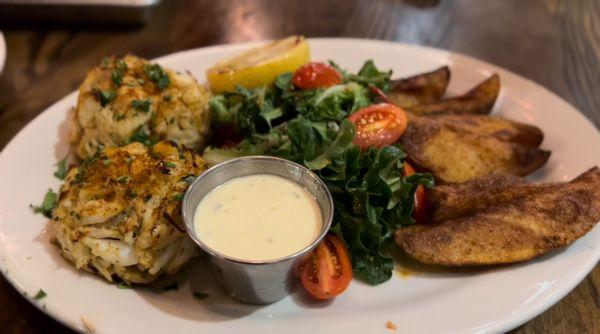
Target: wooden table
{"points": [[555, 43]]}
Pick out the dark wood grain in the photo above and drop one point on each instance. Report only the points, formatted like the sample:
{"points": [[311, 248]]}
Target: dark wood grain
{"points": [[555, 43]]}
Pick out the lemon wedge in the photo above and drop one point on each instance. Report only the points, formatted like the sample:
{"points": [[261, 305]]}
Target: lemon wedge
{"points": [[259, 66]]}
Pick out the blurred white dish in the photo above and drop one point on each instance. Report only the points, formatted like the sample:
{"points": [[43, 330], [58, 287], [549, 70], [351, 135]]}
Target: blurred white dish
{"points": [[2, 51]]}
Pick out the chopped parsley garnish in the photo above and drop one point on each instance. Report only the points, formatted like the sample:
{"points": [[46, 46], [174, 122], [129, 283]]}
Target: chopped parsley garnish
{"points": [[158, 76], [78, 178], [48, 205], [124, 285], [104, 96], [170, 164], [189, 179], [141, 105], [178, 197], [130, 193], [172, 286], [40, 294], [129, 160], [117, 74], [105, 62], [124, 179], [117, 77], [106, 162], [142, 135], [121, 65], [200, 295], [119, 116], [61, 169], [166, 98]]}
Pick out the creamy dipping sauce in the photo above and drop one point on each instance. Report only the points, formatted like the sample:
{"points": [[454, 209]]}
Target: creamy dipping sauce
{"points": [[258, 217]]}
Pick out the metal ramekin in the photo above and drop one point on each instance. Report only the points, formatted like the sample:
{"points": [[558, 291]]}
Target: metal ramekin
{"points": [[256, 282]]}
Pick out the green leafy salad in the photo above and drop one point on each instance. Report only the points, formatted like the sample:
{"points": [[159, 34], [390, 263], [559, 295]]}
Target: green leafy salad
{"points": [[371, 197]]}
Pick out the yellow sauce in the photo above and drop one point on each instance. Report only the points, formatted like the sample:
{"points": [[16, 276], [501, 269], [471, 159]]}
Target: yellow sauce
{"points": [[258, 217]]}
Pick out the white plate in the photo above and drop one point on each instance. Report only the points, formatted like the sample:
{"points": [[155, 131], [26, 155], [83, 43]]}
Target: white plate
{"points": [[491, 300]]}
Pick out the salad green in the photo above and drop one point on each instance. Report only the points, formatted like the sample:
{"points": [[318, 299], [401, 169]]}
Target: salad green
{"points": [[371, 197]]}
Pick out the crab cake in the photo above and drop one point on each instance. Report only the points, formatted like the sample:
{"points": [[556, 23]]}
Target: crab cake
{"points": [[130, 99], [118, 214]]}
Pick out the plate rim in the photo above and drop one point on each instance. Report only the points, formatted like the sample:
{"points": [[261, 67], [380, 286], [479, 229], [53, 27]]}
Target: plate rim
{"points": [[505, 323]]}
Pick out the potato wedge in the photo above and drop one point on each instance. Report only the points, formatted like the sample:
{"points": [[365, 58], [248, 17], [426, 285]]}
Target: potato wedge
{"points": [[450, 201], [479, 100], [511, 232], [457, 148], [420, 89]]}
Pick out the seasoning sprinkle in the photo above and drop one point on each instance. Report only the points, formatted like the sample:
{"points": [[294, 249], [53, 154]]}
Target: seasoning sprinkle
{"points": [[124, 179]]}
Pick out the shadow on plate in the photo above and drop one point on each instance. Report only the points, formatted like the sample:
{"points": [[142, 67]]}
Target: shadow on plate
{"points": [[62, 147], [194, 294], [300, 297]]}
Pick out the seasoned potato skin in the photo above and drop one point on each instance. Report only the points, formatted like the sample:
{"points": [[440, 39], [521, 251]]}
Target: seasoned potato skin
{"points": [[177, 112], [523, 228], [425, 88], [457, 148], [455, 200], [479, 100]]}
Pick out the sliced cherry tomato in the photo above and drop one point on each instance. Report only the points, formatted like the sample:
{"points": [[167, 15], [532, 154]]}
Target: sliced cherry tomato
{"points": [[378, 125], [420, 211], [327, 272], [316, 75]]}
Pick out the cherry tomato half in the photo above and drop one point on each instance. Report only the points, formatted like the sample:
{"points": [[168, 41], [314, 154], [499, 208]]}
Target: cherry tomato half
{"points": [[327, 272], [316, 75], [420, 211], [378, 125]]}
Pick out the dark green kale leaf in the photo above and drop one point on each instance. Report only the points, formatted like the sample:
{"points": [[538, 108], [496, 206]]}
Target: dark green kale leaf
{"points": [[249, 111], [331, 104], [336, 150]]}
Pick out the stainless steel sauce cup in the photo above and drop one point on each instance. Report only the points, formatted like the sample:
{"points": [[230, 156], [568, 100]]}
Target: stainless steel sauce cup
{"points": [[256, 282]]}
